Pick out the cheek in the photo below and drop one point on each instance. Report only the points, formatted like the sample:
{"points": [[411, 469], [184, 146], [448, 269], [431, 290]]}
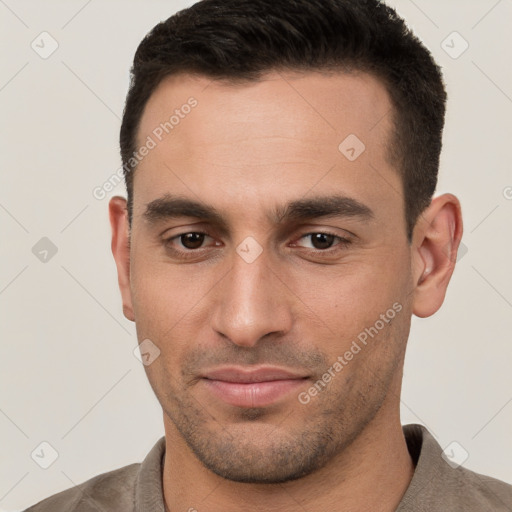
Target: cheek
{"points": [[347, 295], [163, 293], [171, 309], [358, 309]]}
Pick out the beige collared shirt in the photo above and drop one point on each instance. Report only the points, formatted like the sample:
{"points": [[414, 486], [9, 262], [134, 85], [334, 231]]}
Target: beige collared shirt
{"points": [[435, 487]]}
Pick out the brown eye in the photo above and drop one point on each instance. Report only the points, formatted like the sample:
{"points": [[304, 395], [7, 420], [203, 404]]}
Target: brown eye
{"points": [[189, 245], [322, 240], [192, 240]]}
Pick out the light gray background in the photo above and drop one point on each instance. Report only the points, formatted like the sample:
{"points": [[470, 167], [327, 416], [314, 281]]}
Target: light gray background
{"points": [[68, 373]]}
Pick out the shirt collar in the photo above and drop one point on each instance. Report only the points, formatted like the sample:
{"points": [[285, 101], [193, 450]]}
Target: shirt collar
{"points": [[149, 495]]}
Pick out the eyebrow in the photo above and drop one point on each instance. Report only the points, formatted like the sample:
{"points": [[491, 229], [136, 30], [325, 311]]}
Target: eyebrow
{"points": [[171, 206]]}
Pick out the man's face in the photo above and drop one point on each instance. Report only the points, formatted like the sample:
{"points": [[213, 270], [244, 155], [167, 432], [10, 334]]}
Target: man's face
{"points": [[287, 292]]}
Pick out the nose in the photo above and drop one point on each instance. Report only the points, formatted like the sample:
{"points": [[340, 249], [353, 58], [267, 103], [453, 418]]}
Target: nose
{"points": [[251, 302]]}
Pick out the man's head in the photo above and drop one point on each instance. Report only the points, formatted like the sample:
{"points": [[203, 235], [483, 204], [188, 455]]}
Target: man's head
{"points": [[265, 236]]}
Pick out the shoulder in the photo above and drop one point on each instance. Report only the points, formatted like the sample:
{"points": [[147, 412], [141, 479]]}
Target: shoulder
{"points": [[479, 491], [439, 484], [115, 490]]}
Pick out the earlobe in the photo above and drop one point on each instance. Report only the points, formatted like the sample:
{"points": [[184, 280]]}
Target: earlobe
{"points": [[436, 240], [121, 250]]}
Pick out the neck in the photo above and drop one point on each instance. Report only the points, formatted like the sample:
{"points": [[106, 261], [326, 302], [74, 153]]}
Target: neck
{"points": [[371, 474]]}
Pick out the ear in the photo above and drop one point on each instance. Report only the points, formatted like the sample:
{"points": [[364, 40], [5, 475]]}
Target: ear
{"points": [[435, 243], [121, 250]]}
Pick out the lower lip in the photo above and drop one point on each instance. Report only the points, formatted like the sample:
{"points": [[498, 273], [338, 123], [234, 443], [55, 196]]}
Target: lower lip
{"points": [[253, 394]]}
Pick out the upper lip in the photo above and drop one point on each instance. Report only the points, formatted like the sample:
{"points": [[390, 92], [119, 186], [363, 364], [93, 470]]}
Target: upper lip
{"points": [[254, 374]]}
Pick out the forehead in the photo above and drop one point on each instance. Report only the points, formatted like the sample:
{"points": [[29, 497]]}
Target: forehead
{"points": [[284, 134], [290, 103]]}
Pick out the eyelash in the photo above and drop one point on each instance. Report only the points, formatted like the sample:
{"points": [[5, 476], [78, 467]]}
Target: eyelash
{"points": [[192, 253]]}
